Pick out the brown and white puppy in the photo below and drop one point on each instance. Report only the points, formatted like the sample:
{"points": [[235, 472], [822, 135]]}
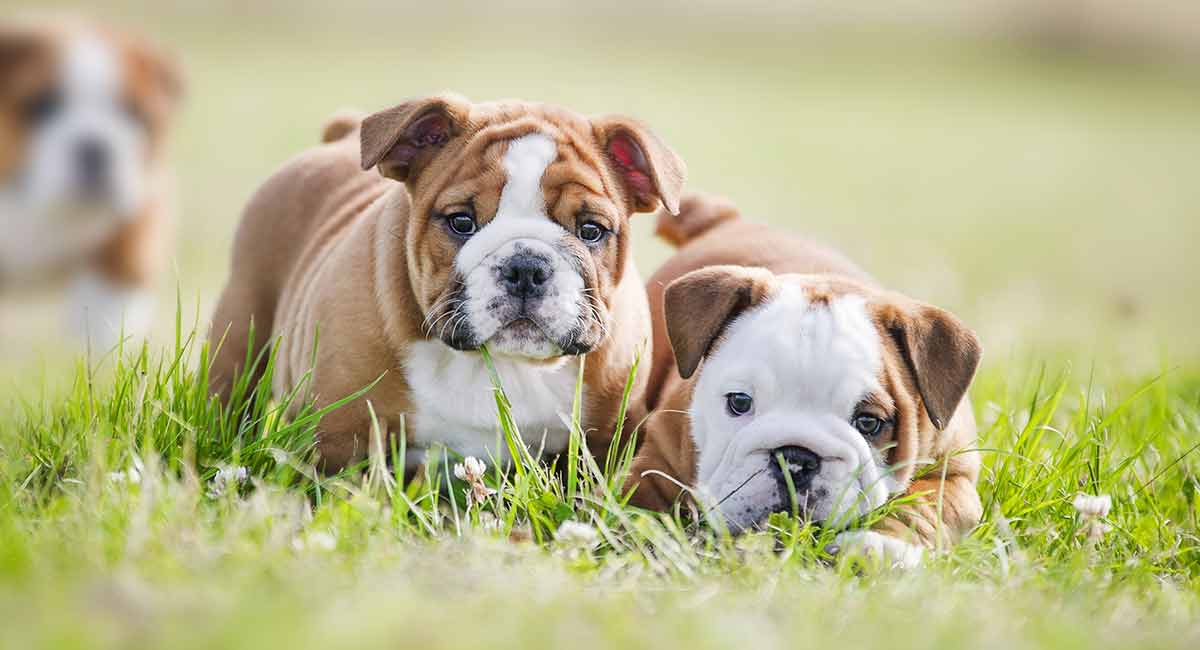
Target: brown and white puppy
{"points": [[767, 346], [83, 116], [503, 224]]}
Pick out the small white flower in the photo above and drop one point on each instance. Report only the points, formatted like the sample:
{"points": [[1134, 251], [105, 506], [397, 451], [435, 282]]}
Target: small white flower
{"points": [[470, 470], [1092, 511], [133, 475], [125, 476], [1093, 507], [574, 535], [225, 478]]}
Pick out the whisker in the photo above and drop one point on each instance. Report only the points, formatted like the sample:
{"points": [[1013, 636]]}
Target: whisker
{"points": [[448, 310], [459, 321], [440, 304], [739, 487]]}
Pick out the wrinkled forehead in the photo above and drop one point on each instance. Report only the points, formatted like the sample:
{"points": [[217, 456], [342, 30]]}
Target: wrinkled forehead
{"points": [[549, 161], [803, 348]]}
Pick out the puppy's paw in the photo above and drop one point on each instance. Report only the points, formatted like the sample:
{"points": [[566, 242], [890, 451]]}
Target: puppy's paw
{"points": [[878, 548]]}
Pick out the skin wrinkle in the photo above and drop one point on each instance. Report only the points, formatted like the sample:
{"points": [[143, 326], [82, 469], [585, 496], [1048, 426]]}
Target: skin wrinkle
{"points": [[553, 172], [852, 453], [835, 353], [418, 294]]}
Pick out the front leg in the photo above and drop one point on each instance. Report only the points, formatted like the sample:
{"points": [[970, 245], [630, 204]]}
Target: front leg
{"points": [[344, 435], [878, 547], [940, 514]]}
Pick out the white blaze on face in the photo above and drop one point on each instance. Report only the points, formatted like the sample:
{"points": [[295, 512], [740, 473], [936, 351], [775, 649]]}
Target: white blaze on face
{"points": [[92, 111], [49, 212], [806, 366], [521, 226]]}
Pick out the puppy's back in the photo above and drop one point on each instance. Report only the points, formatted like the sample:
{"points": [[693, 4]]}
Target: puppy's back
{"points": [[301, 209]]}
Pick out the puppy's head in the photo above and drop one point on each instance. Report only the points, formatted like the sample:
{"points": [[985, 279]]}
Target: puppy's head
{"points": [[812, 386], [517, 234], [82, 116]]}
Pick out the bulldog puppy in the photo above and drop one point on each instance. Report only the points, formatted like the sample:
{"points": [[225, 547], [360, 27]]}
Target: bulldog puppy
{"points": [[83, 117], [503, 224], [780, 368]]}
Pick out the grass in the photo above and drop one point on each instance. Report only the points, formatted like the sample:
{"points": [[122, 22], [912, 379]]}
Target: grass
{"points": [[1049, 201], [116, 530]]}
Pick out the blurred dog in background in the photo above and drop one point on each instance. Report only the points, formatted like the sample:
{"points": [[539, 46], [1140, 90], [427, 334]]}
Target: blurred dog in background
{"points": [[83, 115]]}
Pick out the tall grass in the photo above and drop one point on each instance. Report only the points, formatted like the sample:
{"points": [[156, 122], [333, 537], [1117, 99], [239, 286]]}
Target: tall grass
{"points": [[132, 475]]}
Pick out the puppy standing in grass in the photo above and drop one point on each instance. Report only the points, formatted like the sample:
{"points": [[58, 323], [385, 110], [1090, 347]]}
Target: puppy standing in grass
{"points": [[774, 355], [502, 224], [83, 118]]}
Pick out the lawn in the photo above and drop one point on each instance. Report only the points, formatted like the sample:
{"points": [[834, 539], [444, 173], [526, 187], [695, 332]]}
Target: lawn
{"points": [[1049, 199]]}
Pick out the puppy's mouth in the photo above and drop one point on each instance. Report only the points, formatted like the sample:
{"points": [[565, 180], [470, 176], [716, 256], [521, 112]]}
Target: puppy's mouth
{"points": [[525, 337], [509, 330], [792, 480]]}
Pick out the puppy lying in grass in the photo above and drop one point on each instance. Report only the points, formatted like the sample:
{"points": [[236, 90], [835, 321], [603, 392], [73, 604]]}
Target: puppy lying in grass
{"points": [[785, 379]]}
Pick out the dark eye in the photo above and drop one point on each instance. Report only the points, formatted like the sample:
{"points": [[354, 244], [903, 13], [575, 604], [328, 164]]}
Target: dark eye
{"points": [[461, 223], [868, 425], [41, 107], [738, 404], [592, 232]]}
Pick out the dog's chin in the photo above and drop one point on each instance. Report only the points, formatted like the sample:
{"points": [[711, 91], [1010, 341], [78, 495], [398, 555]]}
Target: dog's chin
{"points": [[525, 340]]}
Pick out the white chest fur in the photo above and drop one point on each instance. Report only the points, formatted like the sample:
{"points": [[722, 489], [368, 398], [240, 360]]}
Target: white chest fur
{"points": [[454, 402]]}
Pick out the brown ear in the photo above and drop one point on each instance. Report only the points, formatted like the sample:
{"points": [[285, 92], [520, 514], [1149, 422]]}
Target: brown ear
{"points": [[648, 169], [17, 44], [699, 305], [158, 74], [941, 352], [160, 68], [402, 139]]}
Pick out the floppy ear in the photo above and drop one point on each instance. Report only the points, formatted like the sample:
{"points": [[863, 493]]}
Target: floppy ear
{"points": [[402, 139], [941, 352], [649, 170], [699, 305], [160, 68], [159, 74]]}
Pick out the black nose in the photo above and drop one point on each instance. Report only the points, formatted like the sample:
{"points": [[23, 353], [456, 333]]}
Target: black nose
{"points": [[525, 276], [92, 162], [801, 463]]}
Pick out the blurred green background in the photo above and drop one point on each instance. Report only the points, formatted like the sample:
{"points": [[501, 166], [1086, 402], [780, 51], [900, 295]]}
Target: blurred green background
{"points": [[1032, 168]]}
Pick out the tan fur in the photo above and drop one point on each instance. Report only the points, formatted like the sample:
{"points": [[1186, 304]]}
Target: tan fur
{"points": [[342, 124], [721, 237], [325, 245], [133, 254], [28, 59], [929, 358]]}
